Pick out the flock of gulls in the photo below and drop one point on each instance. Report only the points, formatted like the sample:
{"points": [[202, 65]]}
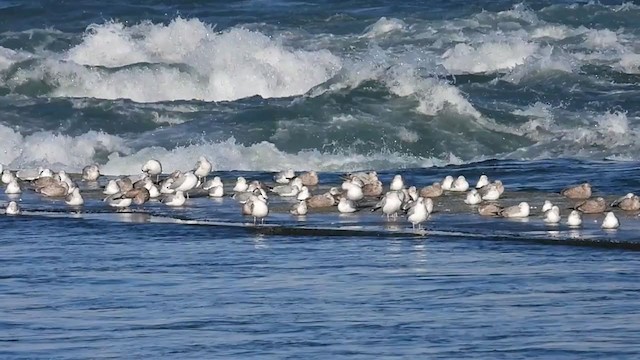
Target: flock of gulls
{"points": [[416, 204]]}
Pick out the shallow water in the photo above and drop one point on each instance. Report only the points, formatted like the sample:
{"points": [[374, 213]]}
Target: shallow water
{"points": [[203, 282]]}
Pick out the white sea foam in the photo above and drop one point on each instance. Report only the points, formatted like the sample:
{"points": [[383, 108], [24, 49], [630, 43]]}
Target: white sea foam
{"points": [[73, 153], [407, 135], [487, 57], [556, 32], [384, 26], [601, 39], [50, 149], [432, 94], [630, 63], [9, 57], [183, 60], [229, 155]]}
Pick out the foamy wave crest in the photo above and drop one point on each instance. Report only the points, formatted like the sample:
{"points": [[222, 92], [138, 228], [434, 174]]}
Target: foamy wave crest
{"points": [[9, 57], [630, 63], [55, 150], [184, 60], [384, 26], [487, 57], [63, 152], [264, 156], [433, 95], [601, 39]]}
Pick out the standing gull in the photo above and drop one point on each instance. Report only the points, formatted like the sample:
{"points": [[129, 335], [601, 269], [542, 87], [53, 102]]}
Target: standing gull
{"points": [[203, 168], [390, 204], [418, 213], [152, 167]]}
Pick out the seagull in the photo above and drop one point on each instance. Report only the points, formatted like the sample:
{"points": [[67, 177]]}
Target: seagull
{"points": [[258, 208], [166, 187], [203, 168], [152, 167], [373, 189], [74, 198], [490, 192], [138, 196], [241, 184], [111, 188], [321, 201], [412, 193], [175, 200], [592, 206], [216, 191], [460, 184], [417, 213], [552, 216], [390, 204], [286, 190], [284, 176], [185, 182], [7, 176], [518, 211], [90, 172], [432, 191], [12, 208], [610, 221], [574, 219], [547, 206], [346, 206], [212, 183], [117, 201], [482, 181], [397, 183], [629, 202], [55, 189], [354, 189], [13, 187], [304, 193], [309, 178], [28, 174], [578, 192], [299, 209], [473, 198], [489, 209], [447, 182]]}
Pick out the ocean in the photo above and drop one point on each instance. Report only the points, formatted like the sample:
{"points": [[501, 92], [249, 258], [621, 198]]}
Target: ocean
{"points": [[538, 94]]}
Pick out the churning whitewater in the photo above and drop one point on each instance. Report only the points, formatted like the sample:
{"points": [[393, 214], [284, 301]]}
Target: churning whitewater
{"points": [[338, 91]]}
